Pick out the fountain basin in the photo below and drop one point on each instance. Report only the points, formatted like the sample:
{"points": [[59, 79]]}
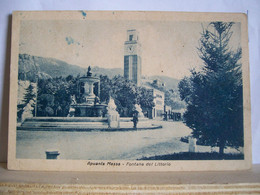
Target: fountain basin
{"points": [[89, 110], [82, 124]]}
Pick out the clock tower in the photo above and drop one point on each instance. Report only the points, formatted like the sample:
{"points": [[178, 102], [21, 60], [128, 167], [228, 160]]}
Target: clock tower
{"points": [[132, 58]]}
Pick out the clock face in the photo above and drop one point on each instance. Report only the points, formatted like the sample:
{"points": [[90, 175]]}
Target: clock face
{"points": [[130, 49]]}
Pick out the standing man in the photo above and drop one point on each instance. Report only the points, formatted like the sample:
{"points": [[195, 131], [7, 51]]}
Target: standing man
{"points": [[135, 118]]}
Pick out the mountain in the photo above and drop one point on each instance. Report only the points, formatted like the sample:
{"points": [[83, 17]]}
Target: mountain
{"points": [[107, 71], [46, 68], [171, 83]]}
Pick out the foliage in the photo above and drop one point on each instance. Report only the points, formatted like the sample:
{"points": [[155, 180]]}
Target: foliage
{"points": [[125, 93], [171, 96], [214, 94], [172, 99], [28, 96], [145, 98], [54, 96], [105, 88], [55, 76]]}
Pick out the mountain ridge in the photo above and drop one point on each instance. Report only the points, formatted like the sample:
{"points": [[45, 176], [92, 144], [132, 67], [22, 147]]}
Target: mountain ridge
{"points": [[30, 66]]}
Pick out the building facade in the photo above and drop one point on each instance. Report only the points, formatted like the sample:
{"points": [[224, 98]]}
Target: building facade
{"points": [[132, 57], [158, 109]]}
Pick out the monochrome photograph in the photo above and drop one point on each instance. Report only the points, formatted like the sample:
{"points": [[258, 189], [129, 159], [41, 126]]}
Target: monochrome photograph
{"points": [[129, 90]]}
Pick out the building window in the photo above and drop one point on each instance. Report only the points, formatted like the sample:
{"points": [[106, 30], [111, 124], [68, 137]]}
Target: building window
{"points": [[135, 59], [135, 71], [158, 102], [159, 113], [131, 37], [126, 68], [158, 96]]}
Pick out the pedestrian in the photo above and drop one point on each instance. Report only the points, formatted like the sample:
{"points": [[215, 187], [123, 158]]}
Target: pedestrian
{"points": [[135, 118], [165, 116]]}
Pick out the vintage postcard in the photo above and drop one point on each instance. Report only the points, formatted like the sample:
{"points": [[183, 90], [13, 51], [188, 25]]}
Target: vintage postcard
{"points": [[129, 91]]}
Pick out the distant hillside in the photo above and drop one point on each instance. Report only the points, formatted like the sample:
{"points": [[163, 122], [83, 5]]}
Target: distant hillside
{"points": [[46, 68], [171, 83], [49, 68], [105, 71]]}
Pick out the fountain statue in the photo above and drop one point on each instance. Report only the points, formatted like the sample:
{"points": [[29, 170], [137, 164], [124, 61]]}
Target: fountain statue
{"points": [[89, 106], [138, 108], [113, 117]]}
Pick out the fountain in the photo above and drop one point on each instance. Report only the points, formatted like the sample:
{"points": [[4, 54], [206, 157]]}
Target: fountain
{"points": [[86, 113], [89, 105]]}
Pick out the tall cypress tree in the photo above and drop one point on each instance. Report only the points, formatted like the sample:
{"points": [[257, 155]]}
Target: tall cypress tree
{"points": [[214, 94], [29, 95]]}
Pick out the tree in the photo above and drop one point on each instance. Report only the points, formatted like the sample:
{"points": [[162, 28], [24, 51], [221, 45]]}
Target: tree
{"points": [[105, 88], [145, 98], [172, 99], [214, 94], [54, 95], [29, 94], [125, 93], [44, 101]]}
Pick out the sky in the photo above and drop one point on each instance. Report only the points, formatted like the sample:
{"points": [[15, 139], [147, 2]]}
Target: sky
{"points": [[168, 48]]}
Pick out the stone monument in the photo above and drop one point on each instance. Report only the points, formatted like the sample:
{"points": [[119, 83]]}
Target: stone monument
{"points": [[112, 115], [192, 144], [89, 106], [138, 108]]}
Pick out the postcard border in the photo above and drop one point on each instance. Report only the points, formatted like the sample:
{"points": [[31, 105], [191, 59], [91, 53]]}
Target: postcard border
{"points": [[81, 165]]}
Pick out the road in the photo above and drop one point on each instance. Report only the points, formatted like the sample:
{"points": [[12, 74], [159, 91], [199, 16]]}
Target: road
{"points": [[100, 145]]}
